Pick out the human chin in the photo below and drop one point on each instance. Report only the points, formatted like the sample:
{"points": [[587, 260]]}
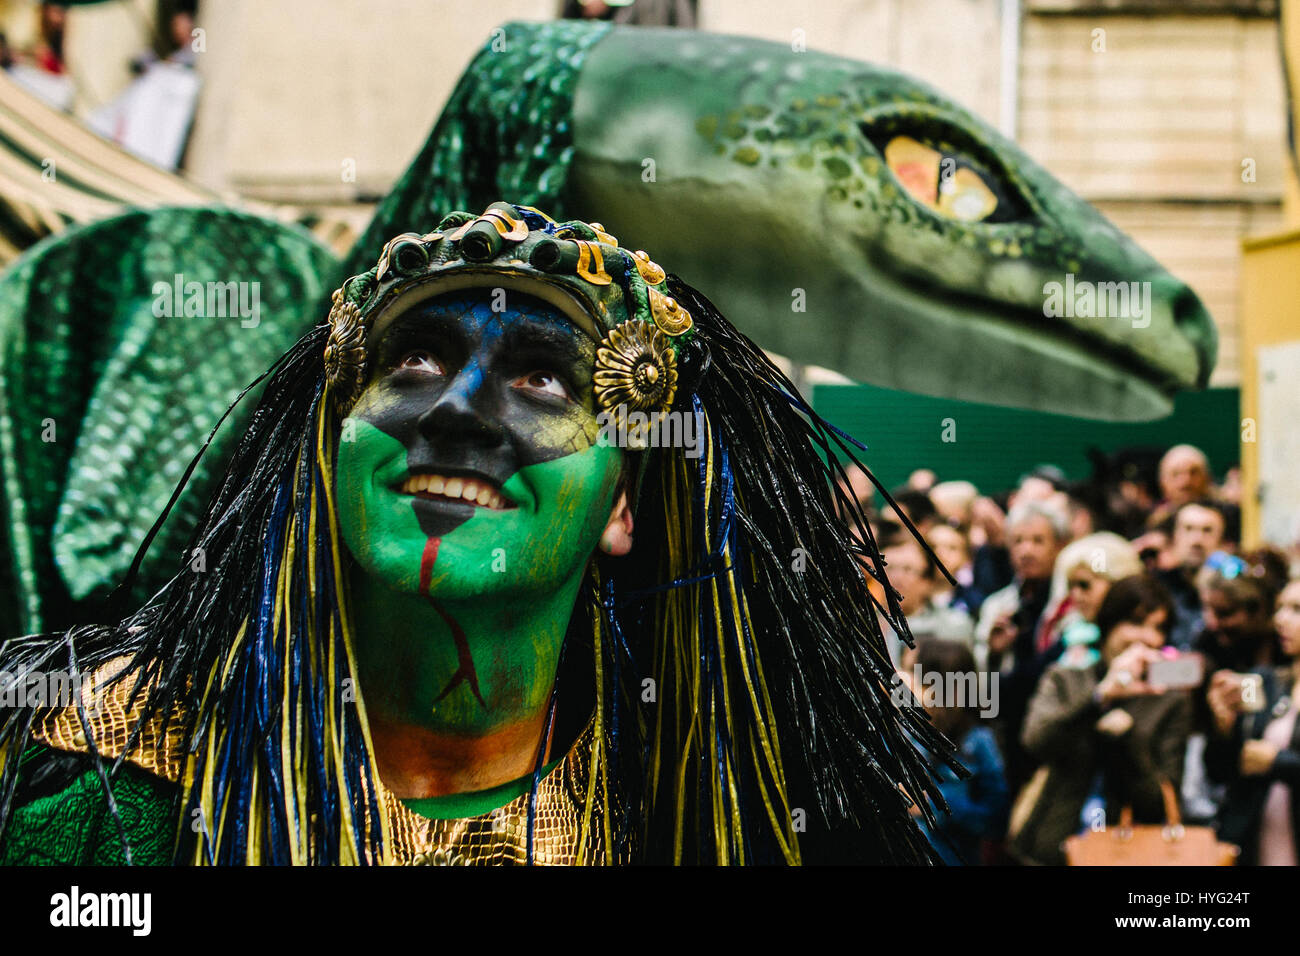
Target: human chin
{"points": [[543, 543]]}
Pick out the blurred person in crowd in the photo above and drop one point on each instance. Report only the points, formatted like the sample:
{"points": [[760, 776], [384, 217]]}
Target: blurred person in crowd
{"points": [[645, 13], [49, 51], [922, 480], [915, 576], [1255, 749], [178, 44], [1005, 638], [1125, 486], [951, 546], [1199, 529], [1040, 484], [987, 521], [1233, 633], [151, 118], [1230, 490], [1083, 574], [1270, 566], [978, 804], [857, 485], [1082, 515], [917, 507], [1237, 596], [992, 561], [1104, 720], [42, 70], [1184, 477], [954, 501], [1036, 531], [1154, 548]]}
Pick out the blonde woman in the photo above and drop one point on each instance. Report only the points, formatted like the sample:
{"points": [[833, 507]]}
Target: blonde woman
{"points": [[1083, 573]]}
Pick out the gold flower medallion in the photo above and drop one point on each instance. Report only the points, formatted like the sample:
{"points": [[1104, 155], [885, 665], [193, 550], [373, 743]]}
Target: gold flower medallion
{"points": [[635, 368], [345, 352]]}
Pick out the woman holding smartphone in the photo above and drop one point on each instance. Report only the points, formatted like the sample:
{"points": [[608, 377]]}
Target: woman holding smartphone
{"points": [[1255, 748], [1103, 723]]}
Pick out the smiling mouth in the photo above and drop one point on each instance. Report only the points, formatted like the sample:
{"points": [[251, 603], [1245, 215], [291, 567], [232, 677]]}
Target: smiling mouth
{"points": [[470, 491]]}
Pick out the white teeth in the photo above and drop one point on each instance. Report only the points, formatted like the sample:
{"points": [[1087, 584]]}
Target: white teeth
{"points": [[467, 489]]}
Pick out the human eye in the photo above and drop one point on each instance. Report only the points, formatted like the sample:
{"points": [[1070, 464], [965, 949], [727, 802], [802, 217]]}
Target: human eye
{"points": [[420, 361], [542, 383]]}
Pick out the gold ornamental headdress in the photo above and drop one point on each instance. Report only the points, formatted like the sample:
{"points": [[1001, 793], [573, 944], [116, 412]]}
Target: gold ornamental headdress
{"points": [[616, 296]]}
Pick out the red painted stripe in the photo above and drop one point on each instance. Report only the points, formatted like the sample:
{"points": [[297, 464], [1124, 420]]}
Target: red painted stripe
{"points": [[426, 563]]}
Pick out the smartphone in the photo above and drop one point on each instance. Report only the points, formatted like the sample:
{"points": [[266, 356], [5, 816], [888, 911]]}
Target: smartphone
{"points": [[1177, 671]]}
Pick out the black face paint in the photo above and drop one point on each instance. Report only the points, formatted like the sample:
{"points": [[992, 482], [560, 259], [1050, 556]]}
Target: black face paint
{"points": [[477, 394]]}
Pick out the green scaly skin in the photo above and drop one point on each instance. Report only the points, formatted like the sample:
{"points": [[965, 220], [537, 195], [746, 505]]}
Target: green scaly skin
{"points": [[769, 177]]}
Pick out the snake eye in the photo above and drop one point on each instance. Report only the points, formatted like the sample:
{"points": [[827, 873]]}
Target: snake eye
{"points": [[947, 184], [955, 179]]}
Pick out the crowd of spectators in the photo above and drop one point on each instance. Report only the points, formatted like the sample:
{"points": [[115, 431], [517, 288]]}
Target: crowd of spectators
{"points": [[1126, 642]]}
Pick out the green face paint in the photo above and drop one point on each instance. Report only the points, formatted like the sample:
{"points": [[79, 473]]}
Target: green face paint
{"points": [[561, 508], [462, 606]]}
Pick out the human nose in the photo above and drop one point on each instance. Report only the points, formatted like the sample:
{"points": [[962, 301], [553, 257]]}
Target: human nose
{"points": [[461, 413]]}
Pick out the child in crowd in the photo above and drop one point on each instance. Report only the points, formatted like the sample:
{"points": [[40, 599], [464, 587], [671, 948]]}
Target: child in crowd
{"points": [[941, 674]]}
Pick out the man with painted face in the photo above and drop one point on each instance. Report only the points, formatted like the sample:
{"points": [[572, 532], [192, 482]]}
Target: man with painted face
{"points": [[426, 634], [472, 495]]}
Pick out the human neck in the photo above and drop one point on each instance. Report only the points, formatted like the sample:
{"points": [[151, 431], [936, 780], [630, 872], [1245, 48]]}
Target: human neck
{"points": [[1262, 651], [456, 691]]}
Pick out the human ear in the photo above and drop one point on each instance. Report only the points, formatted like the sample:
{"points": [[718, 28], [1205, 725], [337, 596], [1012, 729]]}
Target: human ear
{"points": [[616, 539]]}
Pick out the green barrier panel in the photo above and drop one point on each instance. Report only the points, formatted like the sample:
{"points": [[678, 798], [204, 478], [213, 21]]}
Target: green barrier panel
{"points": [[993, 446]]}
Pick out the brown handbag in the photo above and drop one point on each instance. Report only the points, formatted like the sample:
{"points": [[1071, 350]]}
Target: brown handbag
{"points": [[1147, 844]]}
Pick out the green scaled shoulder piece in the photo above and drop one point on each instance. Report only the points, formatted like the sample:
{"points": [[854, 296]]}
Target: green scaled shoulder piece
{"points": [[121, 345], [75, 828]]}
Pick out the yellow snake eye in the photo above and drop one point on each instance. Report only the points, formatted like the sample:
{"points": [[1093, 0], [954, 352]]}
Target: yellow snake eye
{"points": [[917, 168], [948, 184]]}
